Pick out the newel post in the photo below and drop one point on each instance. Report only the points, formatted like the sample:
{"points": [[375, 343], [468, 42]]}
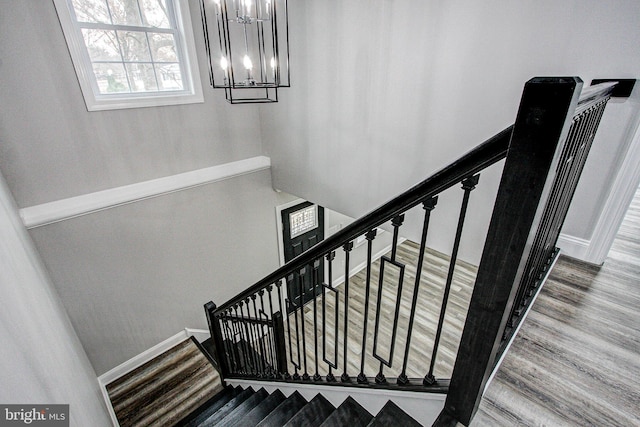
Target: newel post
{"points": [[216, 337], [543, 120]]}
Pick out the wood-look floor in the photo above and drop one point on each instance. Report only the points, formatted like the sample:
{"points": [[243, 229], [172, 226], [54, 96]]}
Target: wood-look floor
{"points": [[166, 389], [434, 273], [576, 359]]}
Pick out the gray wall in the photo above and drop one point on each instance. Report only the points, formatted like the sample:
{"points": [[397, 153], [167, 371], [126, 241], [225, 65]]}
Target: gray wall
{"points": [[386, 92], [132, 276], [42, 360], [52, 148]]}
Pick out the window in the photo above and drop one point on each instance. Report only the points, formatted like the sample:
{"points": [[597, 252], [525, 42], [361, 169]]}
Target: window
{"points": [[303, 220], [131, 53]]}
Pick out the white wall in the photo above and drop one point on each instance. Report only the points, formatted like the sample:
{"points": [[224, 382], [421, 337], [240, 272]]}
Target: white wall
{"points": [[134, 275], [41, 358], [386, 92]]}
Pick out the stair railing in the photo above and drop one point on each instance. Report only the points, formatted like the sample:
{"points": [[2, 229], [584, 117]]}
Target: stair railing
{"points": [[262, 334]]}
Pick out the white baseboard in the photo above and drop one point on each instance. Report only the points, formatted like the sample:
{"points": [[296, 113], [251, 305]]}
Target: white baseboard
{"points": [[574, 247], [72, 207], [142, 358], [422, 406]]}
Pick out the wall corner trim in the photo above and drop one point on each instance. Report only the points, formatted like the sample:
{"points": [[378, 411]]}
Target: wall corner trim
{"points": [[574, 247], [72, 207]]}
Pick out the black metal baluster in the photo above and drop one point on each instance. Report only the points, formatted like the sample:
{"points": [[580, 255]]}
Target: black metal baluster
{"points": [[468, 184], [250, 339], [301, 275], [225, 340], [330, 377], [371, 234], [296, 376], [347, 249], [265, 336], [285, 312], [428, 205], [275, 362], [532, 267], [234, 343], [380, 378], [260, 337], [272, 354], [316, 286], [242, 337], [231, 341], [255, 345]]}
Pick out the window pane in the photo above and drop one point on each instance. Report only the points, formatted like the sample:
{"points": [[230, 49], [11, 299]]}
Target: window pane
{"points": [[169, 77], [111, 78], [155, 13], [125, 12], [142, 77], [134, 46], [102, 45], [163, 47], [303, 220], [91, 11]]}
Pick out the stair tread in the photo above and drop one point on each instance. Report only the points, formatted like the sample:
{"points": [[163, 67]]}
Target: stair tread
{"points": [[285, 411], [392, 415], [210, 407], [257, 413], [244, 408], [312, 414], [227, 408], [349, 413]]}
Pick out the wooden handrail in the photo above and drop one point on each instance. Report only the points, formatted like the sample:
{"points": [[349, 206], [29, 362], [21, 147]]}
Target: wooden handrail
{"points": [[484, 155]]}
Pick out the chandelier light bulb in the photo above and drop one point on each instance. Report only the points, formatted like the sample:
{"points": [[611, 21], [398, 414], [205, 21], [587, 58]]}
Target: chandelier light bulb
{"points": [[247, 62]]}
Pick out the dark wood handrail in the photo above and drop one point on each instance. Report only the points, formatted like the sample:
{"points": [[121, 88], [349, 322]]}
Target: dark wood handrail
{"points": [[484, 155]]}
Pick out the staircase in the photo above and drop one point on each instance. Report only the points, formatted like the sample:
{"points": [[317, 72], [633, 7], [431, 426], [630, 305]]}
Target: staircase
{"points": [[237, 407], [262, 334]]}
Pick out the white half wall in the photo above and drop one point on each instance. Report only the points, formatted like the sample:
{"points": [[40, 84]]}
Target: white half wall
{"points": [[41, 358]]}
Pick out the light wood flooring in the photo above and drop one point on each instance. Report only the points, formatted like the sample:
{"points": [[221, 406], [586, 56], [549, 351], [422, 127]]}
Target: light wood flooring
{"points": [[576, 359], [434, 273]]}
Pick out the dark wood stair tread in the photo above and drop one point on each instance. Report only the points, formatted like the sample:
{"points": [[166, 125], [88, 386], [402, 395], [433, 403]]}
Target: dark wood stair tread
{"points": [[210, 407], [257, 413], [285, 411], [313, 413], [349, 413], [228, 408], [391, 415], [244, 408]]}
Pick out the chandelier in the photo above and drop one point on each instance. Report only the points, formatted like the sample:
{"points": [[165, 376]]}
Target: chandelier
{"points": [[247, 43]]}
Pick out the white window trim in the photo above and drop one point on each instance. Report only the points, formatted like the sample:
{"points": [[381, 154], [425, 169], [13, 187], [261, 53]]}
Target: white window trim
{"points": [[97, 102]]}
